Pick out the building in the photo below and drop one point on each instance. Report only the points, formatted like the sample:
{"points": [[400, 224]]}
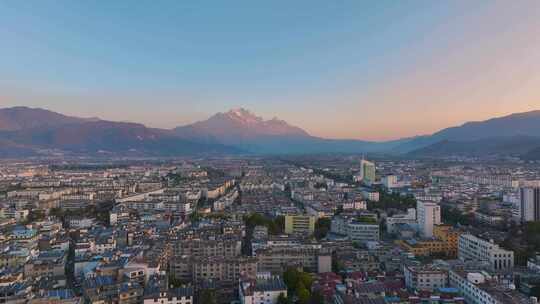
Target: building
{"points": [[488, 218], [80, 222], [450, 236], [425, 278], [363, 229], [300, 224], [394, 221], [182, 295], [390, 181], [13, 213], [226, 270], [424, 247], [479, 287], [355, 205], [371, 195], [224, 246], [472, 248], [263, 290], [157, 291], [48, 264], [367, 172], [312, 258], [428, 215], [530, 204]]}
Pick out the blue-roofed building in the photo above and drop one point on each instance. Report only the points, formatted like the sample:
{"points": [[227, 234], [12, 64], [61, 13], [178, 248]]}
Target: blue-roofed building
{"points": [[50, 263], [23, 234], [130, 293], [100, 288], [14, 293], [60, 294]]}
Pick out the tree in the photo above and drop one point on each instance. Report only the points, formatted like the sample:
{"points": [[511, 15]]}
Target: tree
{"points": [[303, 294], [35, 215], [275, 226], [174, 282], [282, 299], [195, 216], [316, 298], [306, 279], [337, 266], [290, 277], [320, 186], [535, 291], [454, 216], [392, 201], [207, 296], [322, 226]]}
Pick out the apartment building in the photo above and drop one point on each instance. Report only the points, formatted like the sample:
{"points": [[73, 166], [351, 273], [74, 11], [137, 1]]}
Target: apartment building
{"points": [[262, 290], [300, 224], [425, 278], [363, 229], [428, 215], [312, 258], [472, 248]]}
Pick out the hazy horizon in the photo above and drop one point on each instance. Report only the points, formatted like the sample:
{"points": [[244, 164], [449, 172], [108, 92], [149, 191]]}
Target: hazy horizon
{"points": [[354, 70]]}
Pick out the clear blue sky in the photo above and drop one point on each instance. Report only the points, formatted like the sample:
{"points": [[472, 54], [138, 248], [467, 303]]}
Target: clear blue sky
{"points": [[336, 68]]}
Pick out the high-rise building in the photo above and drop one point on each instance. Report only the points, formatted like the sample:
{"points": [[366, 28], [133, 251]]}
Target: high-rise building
{"points": [[367, 172], [530, 204], [428, 215], [390, 181]]}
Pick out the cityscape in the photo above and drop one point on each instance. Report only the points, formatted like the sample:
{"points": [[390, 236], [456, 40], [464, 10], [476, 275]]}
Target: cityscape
{"points": [[302, 152]]}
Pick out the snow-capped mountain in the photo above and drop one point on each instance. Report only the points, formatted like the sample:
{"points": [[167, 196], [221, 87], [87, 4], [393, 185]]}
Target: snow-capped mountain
{"points": [[239, 124]]}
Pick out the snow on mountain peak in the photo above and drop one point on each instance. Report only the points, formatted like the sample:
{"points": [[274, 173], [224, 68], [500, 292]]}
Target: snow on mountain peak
{"points": [[243, 115]]}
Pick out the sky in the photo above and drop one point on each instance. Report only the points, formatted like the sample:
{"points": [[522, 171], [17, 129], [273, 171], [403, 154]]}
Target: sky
{"points": [[374, 70]]}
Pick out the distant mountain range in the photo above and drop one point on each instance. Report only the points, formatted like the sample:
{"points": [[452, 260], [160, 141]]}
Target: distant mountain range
{"points": [[29, 132], [513, 135]]}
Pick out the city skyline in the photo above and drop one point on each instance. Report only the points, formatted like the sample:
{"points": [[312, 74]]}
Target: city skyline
{"points": [[336, 70]]}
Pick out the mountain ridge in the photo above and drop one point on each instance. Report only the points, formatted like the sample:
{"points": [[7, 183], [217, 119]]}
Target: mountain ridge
{"points": [[241, 131], [56, 132]]}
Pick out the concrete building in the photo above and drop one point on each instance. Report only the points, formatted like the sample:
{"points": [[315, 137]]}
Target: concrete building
{"points": [[356, 229], [226, 270], [488, 218], [312, 258], [13, 213], [224, 246], [479, 287], [529, 204], [371, 195], [450, 236], [390, 181], [263, 290], [425, 278], [407, 218], [472, 248], [183, 295], [367, 172], [424, 247], [428, 215], [157, 291], [355, 205], [300, 224]]}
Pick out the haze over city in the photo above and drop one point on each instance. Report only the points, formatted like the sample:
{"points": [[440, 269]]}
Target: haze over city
{"points": [[338, 70]]}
